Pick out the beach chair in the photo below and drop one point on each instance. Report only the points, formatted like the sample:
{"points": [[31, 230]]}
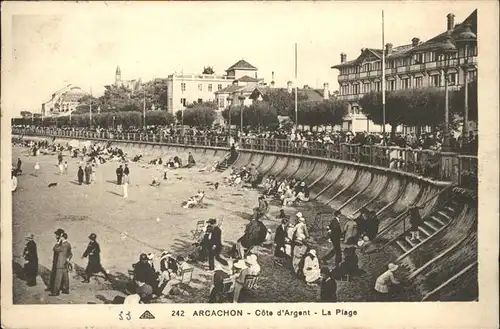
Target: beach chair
{"points": [[186, 276], [227, 290], [250, 282], [200, 229]]}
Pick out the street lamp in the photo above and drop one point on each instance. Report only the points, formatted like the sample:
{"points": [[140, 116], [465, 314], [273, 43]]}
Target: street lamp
{"points": [[228, 99], [447, 52], [241, 98], [466, 40]]}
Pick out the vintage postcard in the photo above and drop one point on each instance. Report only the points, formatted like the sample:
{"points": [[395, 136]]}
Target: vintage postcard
{"points": [[250, 164]]}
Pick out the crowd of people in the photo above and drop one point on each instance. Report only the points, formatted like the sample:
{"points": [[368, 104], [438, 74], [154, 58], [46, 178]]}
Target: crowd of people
{"points": [[293, 247]]}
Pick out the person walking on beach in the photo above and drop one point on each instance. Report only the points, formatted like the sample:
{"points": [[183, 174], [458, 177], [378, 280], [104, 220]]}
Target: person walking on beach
{"points": [[126, 171], [31, 257], [63, 255], [80, 175], [119, 175], [88, 172], [126, 181], [93, 252]]}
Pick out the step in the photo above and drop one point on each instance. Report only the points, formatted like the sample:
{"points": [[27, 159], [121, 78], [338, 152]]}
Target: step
{"points": [[432, 227], [424, 231], [410, 242], [437, 220], [452, 209], [444, 214], [402, 246]]}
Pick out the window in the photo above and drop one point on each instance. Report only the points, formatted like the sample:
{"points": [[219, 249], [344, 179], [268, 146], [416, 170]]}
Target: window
{"points": [[452, 79], [355, 89], [221, 102], [355, 109], [418, 58], [377, 86], [391, 85], [200, 87], [430, 57], [183, 101], [219, 87], [170, 103], [418, 82], [366, 87], [183, 86], [210, 87], [472, 75], [405, 83], [435, 80]]}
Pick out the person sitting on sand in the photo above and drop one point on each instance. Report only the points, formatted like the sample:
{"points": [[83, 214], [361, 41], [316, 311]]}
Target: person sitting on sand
{"points": [[311, 268], [288, 197], [155, 182], [303, 192], [194, 200], [191, 162]]}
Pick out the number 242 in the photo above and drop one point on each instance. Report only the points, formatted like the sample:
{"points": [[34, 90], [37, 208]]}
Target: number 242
{"points": [[177, 313]]}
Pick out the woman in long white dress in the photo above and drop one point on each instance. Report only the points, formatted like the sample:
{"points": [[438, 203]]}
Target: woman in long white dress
{"points": [[37, 168], [125, 183], [312, 271]]}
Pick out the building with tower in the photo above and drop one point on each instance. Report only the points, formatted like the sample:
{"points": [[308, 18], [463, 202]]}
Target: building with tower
{"points": [[63, 101], [132, 85]]}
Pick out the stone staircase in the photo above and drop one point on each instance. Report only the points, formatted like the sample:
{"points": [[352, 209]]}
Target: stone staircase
{"points": [[226, 164], [431, 225]]}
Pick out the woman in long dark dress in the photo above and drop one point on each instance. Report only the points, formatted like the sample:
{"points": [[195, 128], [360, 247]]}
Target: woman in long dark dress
{"points": [[31, 257], [93, 252], [80, 175]]}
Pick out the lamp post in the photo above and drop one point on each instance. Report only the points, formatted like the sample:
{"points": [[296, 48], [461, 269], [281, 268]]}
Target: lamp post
{"points": [[229, 121], [447, 51], [466, 40], [241, 98]]}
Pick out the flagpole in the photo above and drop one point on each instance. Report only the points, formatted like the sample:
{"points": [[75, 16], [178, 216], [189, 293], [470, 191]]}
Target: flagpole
{"points": [[296, 90], [383, 80], [144, 109]]}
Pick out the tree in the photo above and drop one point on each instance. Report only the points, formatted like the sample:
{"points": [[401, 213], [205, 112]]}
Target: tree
{"points": [[208, 70], [284, 102], [199, 116], [318, 113], [414, 107], [159, 118], [458, 101]]}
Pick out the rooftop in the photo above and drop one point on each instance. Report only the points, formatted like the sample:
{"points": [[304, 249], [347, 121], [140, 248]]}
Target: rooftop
{"points": [[242, 65], [408, 49]]}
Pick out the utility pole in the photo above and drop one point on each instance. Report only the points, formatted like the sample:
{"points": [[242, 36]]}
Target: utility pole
{"points": [[296, 92], [383, 81]]}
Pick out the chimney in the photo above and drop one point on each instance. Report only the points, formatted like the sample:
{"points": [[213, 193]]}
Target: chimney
{"points": [[388, 49], [326, 91], [451, 22], [415, 41], [289, 87], [343, 58]]}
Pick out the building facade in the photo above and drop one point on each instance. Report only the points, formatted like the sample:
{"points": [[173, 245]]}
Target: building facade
{"points": [[414, 65], [63, 101], [184, 89]]}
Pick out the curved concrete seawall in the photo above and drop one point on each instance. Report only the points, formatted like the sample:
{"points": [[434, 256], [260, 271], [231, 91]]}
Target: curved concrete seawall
{"points": [[349, 186]]}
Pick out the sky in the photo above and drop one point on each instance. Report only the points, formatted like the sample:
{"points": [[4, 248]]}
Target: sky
{"points": [[49, 45]]}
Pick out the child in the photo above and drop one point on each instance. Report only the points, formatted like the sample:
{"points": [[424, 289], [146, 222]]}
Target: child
{"points": [[65, 167]]}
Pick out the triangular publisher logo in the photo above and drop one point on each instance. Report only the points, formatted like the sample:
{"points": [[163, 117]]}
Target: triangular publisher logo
{"points": [[147, 315]]}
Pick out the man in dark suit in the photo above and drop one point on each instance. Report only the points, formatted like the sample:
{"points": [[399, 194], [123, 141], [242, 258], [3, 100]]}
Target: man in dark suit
{"points": [[61, 280], [119, 175], [93, 251], [328, 290], [215, 245], [58, 234], [31, 256], [335, 232], [144, 272], [280, 239]]}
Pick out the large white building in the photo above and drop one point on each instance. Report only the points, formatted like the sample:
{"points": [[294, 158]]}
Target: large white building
{"points": [[184, 89]]}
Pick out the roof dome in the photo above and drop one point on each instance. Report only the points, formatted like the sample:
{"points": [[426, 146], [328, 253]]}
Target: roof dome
{"points": [[447, 47], [73, 95]]}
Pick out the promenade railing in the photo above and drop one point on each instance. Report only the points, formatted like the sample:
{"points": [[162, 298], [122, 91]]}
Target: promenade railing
{"points": [[442, 166]]}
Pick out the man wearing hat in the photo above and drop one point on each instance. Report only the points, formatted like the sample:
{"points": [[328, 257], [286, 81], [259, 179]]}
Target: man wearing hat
{"points": [[280, 239], [215, 245], [335, 232], [93, 252], [58, 234], [31, 257], [384, 280], [328, 290], [168, 265], [62, 250]]}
